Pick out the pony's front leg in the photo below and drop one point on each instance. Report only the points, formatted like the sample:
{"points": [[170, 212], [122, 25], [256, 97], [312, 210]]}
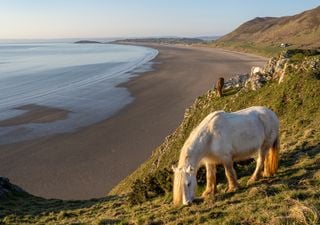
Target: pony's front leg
{"points": [[231, 176], [211, 187]]}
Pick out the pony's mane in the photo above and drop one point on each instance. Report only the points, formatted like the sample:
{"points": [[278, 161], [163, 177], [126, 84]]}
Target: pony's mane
{"points": [[197, 136], [177, 187]]}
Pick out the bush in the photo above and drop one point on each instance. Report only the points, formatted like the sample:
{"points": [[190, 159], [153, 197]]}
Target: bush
{"points": [[139, 192], [154, 185]]}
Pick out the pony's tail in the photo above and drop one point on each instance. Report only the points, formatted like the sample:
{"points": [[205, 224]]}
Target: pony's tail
{"points": [[272, 159]]}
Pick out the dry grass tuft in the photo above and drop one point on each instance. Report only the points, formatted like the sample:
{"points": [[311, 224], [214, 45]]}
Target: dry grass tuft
{"points": [[304, 214]]}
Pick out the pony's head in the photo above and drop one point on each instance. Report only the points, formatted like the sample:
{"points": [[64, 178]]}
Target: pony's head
{"points": [[184, 184]]}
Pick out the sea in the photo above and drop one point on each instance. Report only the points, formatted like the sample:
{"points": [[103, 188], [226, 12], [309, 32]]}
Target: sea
{"points": [[82, 79]]}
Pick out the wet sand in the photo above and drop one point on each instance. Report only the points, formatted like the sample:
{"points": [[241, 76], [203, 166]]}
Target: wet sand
{"points": [[89, 162], [35, 114]]}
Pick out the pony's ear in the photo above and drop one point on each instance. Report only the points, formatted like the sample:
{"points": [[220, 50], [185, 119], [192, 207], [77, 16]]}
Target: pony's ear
{"points": [[189, 169]]}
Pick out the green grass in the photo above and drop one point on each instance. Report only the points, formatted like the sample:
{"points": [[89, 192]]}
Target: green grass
{"points": [[290, 197], [266, 50], [262, 49]]}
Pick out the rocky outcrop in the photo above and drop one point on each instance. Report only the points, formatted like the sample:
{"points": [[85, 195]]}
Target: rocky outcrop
{"points": [[236, 81], [6, 188], [255, 81], [276, 69], [312, 64]]}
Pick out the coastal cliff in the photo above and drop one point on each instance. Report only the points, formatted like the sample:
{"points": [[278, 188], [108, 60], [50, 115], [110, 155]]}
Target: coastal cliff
{"points": [[144, 197], [276, 90]]}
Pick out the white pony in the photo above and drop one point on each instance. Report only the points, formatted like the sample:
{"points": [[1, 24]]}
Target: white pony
{"points": [[222, 138]]}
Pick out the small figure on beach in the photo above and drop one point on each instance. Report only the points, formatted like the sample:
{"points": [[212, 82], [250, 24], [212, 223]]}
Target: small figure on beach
{"points": [[219, 86]]}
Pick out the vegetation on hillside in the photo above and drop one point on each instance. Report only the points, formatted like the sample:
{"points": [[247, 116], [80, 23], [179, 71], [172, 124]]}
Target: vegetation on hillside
{"points": [[290, 197], [173, 40]]}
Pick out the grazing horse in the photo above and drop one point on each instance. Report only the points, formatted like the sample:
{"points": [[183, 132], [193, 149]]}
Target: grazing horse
{"points": [[219, 86], [222, 138]]}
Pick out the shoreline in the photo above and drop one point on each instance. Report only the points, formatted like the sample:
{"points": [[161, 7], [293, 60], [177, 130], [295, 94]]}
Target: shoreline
{"points": [[88, 91], [195, 46], [89, 162]]}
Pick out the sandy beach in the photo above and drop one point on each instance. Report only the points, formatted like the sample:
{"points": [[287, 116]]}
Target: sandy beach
{"points": [[88, 163]]}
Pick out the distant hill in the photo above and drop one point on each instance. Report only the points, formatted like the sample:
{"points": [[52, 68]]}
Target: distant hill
{"points": [[301, 30], [209, 38], [170, 40], [87, 42]]}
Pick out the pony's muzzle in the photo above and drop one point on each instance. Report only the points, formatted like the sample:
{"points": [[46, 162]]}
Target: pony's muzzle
{"points": [[187, 203]]}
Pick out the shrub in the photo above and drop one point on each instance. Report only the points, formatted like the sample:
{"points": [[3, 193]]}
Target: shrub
{"points": [[154, 185]]}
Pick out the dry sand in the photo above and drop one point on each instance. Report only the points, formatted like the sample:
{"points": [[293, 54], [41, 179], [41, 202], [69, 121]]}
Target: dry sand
{"points": [[89, 162]]}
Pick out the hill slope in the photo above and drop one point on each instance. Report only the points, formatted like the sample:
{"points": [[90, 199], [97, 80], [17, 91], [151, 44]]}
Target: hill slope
{"points": [[301, 30], [290, 197]]}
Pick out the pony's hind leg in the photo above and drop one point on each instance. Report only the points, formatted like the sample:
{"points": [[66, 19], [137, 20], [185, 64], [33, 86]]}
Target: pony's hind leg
{"points": [[211, 187], [259, 167], [231, 176]]}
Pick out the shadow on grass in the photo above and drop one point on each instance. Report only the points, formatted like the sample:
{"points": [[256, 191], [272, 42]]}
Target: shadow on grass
{"points": [[231, 91], [109, 222], [24, 204], [294, 171], [291, 174], [292, 158]]}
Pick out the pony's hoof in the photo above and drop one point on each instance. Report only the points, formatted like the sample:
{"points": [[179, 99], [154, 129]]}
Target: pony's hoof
{"points": [[233, 189], [250, 181], [207, 194], [265, 175]]}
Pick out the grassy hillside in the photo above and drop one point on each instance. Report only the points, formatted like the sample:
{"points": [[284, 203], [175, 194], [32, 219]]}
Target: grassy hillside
{"points": [[290, 197], [264, 35]]}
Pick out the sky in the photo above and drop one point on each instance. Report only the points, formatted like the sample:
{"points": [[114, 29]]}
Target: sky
{"points": [[49, 19]]}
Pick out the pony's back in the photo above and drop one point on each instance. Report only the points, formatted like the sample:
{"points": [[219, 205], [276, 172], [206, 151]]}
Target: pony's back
{"points": [[271, 126], [267, 117]]}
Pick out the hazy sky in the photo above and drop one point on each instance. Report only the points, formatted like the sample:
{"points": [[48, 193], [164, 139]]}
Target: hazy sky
{"points": [[135, 18]]}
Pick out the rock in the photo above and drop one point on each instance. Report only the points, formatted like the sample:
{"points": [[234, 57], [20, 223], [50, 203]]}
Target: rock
{"points": [[256, 69], [276, 67], [312, 64], [236, 81], [270, 66], [280, 69], [255, 81], [6, 187]]}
